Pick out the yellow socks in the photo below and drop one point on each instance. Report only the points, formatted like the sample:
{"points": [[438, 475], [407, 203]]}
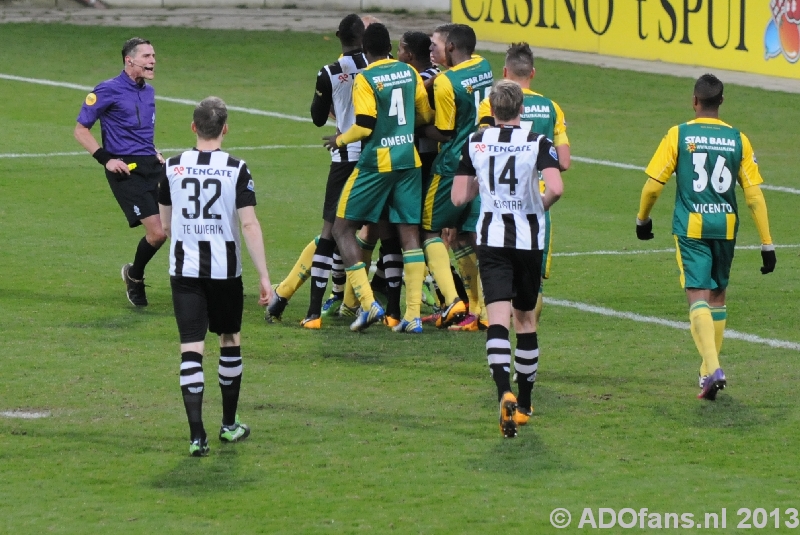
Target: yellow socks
{"points": [[357, 277], [720, 317], [299, 273], [468, 267], [350, 299], [702, 326], [438, 261], [414, 273]]}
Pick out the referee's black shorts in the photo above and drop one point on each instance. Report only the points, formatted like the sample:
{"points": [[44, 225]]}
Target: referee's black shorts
{"points": [[337, 177], [510, 275], [203, 305], [137, 194]]}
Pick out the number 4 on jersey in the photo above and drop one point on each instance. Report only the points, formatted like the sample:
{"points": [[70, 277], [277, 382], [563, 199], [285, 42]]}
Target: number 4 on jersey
{"points": [[396, 107]]}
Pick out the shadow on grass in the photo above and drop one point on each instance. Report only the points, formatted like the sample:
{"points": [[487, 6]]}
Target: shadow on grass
{"points": [[219, 472], [521, 456], [597, 379], [727, 412], [119, 313]]}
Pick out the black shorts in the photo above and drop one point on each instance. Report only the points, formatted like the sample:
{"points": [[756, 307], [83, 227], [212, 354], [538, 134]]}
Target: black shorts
{"points": [[203, 305], [137, 194], [510, 275], [337, 176]]}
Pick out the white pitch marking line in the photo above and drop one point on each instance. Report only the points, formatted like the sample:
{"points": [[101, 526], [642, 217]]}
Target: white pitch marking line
{"points": [[730, 334], [254, 111], [618, 165], [188, 102], [84, 153], [651, 251], [25, 415]]}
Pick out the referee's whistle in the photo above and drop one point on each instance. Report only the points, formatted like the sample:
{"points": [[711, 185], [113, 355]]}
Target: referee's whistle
{"points": [[131, 166]]}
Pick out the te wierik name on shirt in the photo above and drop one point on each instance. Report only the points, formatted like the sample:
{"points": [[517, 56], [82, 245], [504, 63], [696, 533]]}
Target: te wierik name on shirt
{"points": [[202, 229]]}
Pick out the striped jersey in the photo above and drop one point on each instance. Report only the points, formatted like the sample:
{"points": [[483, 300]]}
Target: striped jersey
{"points": [[506, 162], [205, 190], [457, 93], [335, 91], [539, 114], [388, 96], [708, 158]]}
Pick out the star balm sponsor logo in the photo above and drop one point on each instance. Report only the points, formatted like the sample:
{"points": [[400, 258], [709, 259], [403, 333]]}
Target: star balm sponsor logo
{"points": [[379, 85], [691, 147], [91, 99], [782, 36]]}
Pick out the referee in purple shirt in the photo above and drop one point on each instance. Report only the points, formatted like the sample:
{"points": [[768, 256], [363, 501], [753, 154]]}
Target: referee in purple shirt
{"points": [[126, 108]]}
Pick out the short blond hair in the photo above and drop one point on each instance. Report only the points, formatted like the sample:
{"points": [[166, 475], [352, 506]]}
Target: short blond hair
{"points": [[506, 100]]}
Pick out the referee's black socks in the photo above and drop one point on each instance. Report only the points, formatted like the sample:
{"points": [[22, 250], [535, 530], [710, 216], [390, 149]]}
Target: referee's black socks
{"points": [[144, 252]]}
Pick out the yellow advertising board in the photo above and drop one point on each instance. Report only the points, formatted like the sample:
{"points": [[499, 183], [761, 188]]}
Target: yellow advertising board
{"points": [[757, 36]]}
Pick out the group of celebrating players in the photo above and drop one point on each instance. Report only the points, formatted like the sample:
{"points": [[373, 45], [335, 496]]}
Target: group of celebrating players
{"points": [[429, 153], [414, 234], [404, 162]]}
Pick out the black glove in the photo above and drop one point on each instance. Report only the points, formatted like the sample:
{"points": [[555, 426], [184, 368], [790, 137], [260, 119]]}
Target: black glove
{"points": [[644, 231], [769, 260]]}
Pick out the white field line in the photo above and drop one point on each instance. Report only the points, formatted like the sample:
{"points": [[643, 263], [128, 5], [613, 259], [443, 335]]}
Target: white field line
{"points": [[165, 151], [730, 334], [188, 102], [618, 165], [26, 415], [651, 251], [254, 111]]}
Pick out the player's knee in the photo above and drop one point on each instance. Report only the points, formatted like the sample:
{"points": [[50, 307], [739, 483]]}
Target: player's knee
{"points": [[156, 237]]}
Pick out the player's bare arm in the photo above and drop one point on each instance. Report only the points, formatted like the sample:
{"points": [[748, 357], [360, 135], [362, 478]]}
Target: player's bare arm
{"points": [[555, 186], [251, 230], [166, 219], [465, 188]]}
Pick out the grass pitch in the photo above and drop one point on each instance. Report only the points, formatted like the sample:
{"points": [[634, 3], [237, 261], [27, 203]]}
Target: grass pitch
{"points": [[374, 432]]}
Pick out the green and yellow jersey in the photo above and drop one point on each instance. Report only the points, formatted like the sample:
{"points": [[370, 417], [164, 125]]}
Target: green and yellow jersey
{"points": [[457, 94], [705, 155], [389, 98], [539, 114]]}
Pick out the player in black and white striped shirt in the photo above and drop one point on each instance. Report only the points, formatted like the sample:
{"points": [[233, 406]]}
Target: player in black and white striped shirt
{"points": [[333, 92], [204, 196], [503, 163]]}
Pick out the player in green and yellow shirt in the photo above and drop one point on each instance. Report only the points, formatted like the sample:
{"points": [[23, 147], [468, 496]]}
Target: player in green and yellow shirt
{"points": [[456, 93], [540, 114], [389, 100], [707, 156]]}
